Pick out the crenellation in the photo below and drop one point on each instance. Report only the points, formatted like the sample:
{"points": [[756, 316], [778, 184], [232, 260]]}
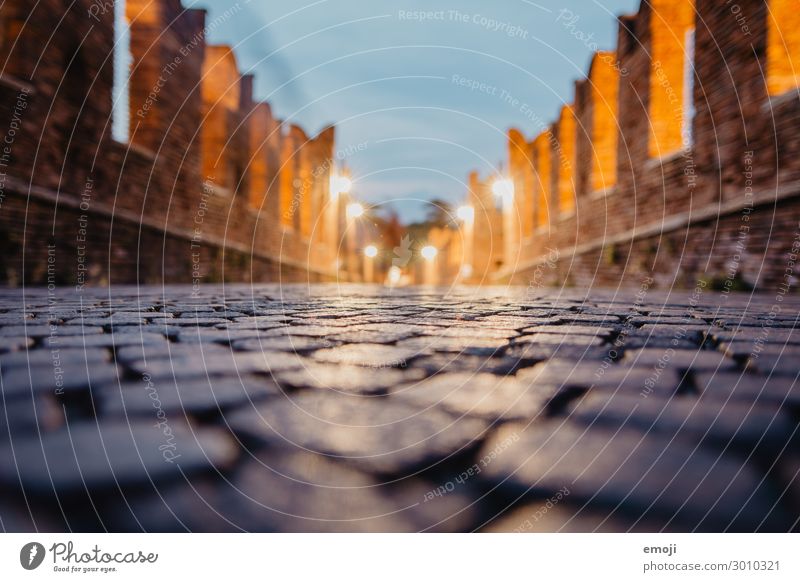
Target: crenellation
{"points": [[200, 179], [705, 150]]}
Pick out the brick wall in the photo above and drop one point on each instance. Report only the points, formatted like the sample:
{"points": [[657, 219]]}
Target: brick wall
{"points": [[685, 170], [193, 196], [488, 244]]}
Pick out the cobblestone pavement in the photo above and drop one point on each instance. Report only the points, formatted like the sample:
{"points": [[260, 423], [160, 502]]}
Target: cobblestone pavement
{"points": [[337, 408]]}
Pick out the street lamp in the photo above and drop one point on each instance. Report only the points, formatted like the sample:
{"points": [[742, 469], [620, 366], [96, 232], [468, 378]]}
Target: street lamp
{"points": [[466, 214], [395, 275], [355, 210], [340, 184], [370, 252], [503, 188], [429, 254]]}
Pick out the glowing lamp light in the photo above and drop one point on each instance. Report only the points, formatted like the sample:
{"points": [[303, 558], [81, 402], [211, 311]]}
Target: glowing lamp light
{"points": [[465, 213], [395, 274], [371, 251], [429, 253], [340, 184], [466, 271], [355, 210], [504, 189]]}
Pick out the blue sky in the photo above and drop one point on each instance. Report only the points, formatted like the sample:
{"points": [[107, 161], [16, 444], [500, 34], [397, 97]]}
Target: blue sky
{"points": [[421, 91]]}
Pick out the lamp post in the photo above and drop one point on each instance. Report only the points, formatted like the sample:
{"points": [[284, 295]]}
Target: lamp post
{"points": [[503, 188], [370, 252], [466, 214], [340, 184], [353, 212], [429, 254], [394, 276]]}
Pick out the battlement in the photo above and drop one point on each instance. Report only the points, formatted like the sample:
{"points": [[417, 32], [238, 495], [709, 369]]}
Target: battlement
{"points": [[202, 173], [688, 125]]}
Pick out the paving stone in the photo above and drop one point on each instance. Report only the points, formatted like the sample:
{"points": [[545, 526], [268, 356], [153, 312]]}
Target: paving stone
{"points": [[455, 362], [18, 515], [14, 318], [318, 331], [603, 376], [695, 488], [368, 355], [637, 342], [675, 321], [775, 364], [200, 396], [421, 377], [228, 363], [95, 456], [696, 360], [169, 351], [754, 349], [692, 331], [301, 492], [517, 323], [189, 311], [221, 336], [480, 332], [483, 395], [107, 340], [466, 345], [712, 419], [580, 319], [392, 328], [612, 311], [192, 321], [772, 335], [346, 378], [537, 352], [299, 344], [557, 339], [789, 481], [252, 323], [366, 336], [375, 434], [41, 331], [29, 414], [100, 322], [58, 378], [36, 358], [572, 329], [554, 516], [168, 331], [749, 388]]}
